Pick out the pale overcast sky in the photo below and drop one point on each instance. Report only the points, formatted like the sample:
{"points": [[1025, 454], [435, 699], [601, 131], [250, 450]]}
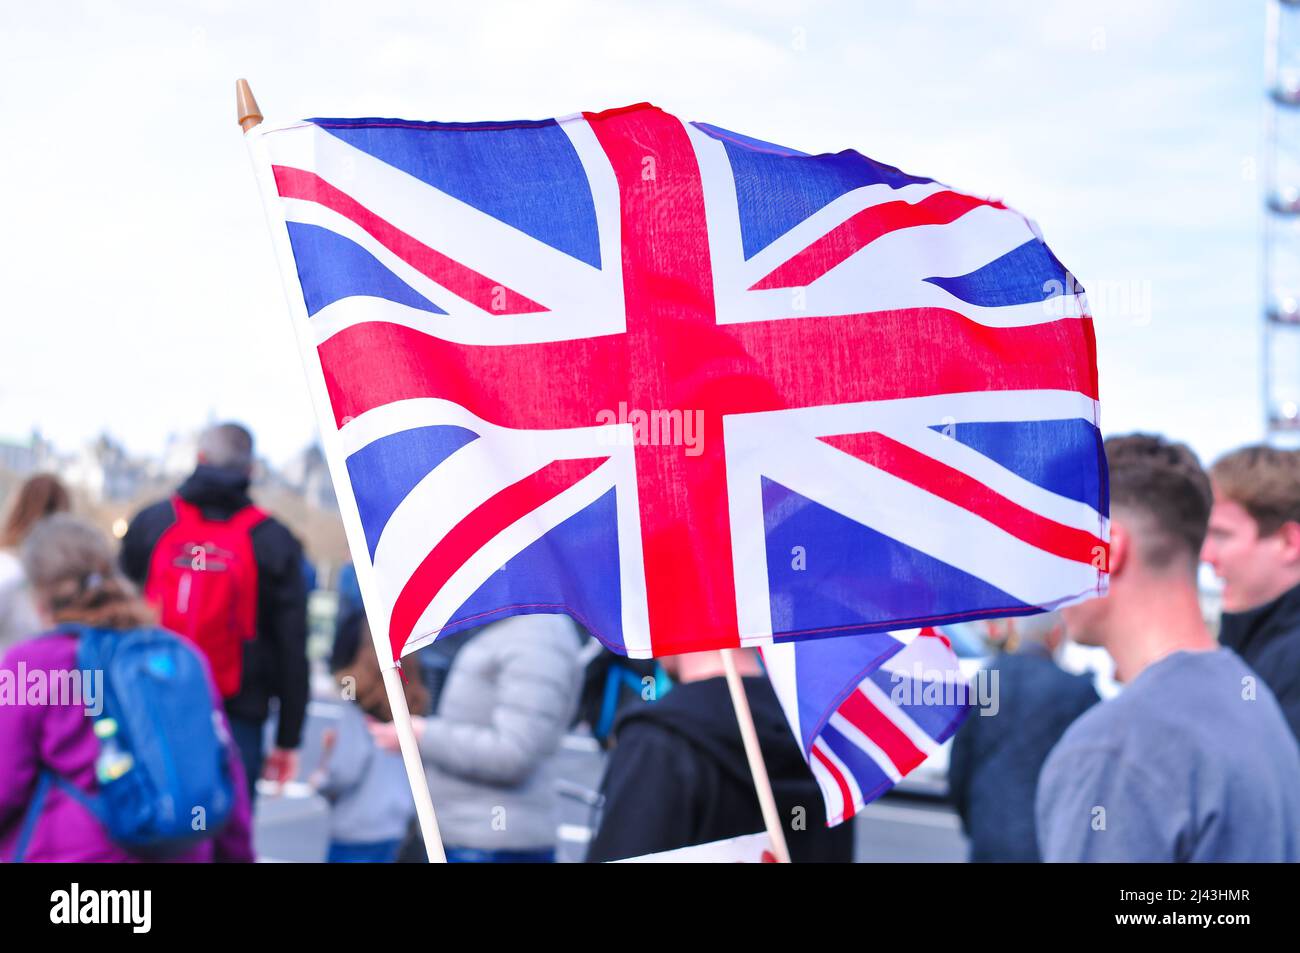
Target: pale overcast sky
{"points": [[141, 289]]}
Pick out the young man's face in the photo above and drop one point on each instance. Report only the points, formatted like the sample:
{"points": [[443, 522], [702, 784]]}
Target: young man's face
{"points": [[1250, 566]]}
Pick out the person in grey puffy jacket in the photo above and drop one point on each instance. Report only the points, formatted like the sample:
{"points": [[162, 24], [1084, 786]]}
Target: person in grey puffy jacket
{"points": [[489, 752]]}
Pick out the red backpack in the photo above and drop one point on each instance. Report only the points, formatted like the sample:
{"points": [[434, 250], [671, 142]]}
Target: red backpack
{"points": [[203, 580]]}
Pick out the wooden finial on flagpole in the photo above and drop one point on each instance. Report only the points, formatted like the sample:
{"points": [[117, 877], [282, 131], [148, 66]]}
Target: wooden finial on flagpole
{"points": [[247, 111], [754, 754]]}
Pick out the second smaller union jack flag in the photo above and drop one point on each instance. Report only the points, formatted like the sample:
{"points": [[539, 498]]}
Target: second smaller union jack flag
{"points": [[693, 389], [867, 710]]}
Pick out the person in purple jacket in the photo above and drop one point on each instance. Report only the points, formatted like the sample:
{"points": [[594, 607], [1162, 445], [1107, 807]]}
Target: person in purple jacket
{"points": [[73, 576]]}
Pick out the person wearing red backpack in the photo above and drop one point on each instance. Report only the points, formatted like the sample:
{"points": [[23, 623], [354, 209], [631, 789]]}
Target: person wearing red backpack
{"points": [[228, 577]]}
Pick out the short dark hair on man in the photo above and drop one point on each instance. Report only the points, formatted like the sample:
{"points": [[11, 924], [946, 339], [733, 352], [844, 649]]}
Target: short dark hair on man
{"points": [[227, 445], [1164, 483]]}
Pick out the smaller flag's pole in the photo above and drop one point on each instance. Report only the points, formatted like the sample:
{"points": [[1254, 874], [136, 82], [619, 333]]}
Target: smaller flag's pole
{"points": [[250, 116], [757, 767]]}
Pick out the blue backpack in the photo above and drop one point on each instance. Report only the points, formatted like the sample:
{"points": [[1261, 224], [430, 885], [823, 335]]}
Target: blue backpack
{"points": [[162, 773]]}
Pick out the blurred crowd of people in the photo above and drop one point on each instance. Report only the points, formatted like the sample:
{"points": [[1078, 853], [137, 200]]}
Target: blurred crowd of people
{"points": [[201, 614]]}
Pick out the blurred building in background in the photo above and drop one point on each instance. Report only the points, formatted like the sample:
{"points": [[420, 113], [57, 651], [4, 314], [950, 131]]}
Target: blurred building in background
{"points": [[26, 455], [109, 484], [105, 472], [308, 474]]}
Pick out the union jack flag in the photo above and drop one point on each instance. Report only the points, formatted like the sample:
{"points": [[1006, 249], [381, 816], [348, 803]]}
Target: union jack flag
{"points": [[867, 710], [693, 389]]}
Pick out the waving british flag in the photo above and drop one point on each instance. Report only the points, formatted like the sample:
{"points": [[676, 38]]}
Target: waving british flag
{"points": [[893, 383], [695, 390], [865, 711]]}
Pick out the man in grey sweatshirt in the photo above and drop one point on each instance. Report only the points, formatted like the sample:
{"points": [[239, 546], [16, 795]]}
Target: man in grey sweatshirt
{"points": [[1194, 760]]}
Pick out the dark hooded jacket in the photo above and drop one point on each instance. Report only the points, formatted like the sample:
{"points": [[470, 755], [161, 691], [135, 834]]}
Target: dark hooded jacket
{"points": [[996, 758], [677, 776], [275, 662], [1268, 640]]}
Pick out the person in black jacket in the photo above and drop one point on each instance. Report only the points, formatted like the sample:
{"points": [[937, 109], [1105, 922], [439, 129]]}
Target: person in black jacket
{"points": [[1253, 544], [998, 752], [275, 661], [677, 775]]}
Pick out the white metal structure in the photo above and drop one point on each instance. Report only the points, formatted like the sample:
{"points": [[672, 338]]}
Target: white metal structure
{"points": [[1281, 232]]}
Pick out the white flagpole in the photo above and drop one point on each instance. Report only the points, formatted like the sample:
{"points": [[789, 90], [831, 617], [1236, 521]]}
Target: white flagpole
{"points": [[757, 767], [414, 767], [250, 117]]}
